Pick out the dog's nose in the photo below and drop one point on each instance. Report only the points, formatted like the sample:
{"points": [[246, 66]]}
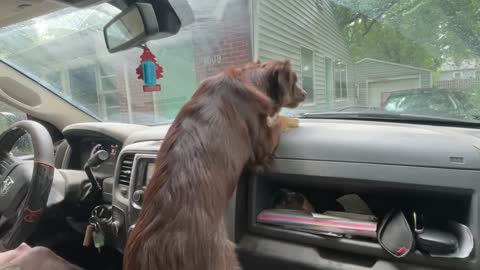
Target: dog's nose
{"points": [[303, 94]]}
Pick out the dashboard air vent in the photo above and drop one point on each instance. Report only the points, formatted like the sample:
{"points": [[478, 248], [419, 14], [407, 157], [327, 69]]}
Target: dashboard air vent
{"points": [[126, 170]]}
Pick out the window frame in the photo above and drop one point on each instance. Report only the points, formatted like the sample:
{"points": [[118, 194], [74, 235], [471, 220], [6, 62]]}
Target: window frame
{"points": [[329, 93], [341, 97], [311, 101]]}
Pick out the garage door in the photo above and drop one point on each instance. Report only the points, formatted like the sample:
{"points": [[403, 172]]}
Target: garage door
{"points": [[377, 89]]}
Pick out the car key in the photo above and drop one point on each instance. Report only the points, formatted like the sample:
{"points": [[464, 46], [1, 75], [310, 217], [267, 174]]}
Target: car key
{"points": [[87, 239], [97, 234]]}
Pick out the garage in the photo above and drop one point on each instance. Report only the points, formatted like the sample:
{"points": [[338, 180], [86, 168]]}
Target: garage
{"points": [[376, 78], [377, 91]]}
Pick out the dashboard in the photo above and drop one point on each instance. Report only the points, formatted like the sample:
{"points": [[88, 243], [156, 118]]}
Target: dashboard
{"points": [[431, 168], [84, 148], [84, 140]]}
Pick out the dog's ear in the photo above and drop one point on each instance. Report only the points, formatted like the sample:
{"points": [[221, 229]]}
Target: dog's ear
{"points": [[280, 81]]}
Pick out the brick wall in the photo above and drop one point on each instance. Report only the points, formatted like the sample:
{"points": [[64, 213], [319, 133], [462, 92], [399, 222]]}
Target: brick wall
{"points": [[223, 39], [141, 102], [219, 40]]}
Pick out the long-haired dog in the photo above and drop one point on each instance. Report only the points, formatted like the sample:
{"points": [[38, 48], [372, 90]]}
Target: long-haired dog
{"points": [[228, 125]]}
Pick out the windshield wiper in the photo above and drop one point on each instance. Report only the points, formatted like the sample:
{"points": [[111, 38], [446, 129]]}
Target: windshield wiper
{"points": [[389, 116]]}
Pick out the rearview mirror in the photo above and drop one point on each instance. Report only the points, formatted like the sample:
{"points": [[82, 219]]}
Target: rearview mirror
{"points": [[142, 22]]}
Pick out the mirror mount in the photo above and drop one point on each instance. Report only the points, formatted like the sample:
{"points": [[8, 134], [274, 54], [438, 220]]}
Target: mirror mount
{"points": [[144, 21]]}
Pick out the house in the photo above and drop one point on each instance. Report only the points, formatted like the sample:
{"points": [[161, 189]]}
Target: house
{"points": [[306, 33], [375, 79], [467, 69], [233, 32], [225, 33], [464, 75]]}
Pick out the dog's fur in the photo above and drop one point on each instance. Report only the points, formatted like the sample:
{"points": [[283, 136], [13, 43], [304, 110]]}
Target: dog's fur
{"points": [[220, 131]]}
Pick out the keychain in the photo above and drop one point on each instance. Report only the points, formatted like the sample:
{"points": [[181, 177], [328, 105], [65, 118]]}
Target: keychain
{"points": [[94, 232], [98, 239], [88, 235]]}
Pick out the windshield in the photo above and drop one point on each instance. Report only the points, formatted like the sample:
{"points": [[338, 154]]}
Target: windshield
{"points": [[404, 56]]}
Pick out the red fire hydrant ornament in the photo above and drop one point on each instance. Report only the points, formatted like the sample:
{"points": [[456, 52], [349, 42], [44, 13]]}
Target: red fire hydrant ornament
{"points": [[149, 71]]}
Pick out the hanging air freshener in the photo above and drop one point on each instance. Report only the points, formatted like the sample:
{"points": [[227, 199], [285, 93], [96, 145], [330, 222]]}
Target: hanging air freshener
{"points": [[149, 71]]}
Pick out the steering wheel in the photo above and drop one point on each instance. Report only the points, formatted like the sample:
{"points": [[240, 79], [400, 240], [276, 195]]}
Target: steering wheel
{"points": [[23, 191]]}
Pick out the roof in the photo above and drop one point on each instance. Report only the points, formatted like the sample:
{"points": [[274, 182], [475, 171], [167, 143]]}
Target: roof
{"points": [[422, 90], [391, 63]]}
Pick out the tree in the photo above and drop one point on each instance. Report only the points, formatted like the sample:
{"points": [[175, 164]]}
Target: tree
{"points": [[423, 33]]}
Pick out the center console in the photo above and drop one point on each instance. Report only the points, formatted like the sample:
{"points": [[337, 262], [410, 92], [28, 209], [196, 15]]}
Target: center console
{"points": [[134, 169], [142, 171]]}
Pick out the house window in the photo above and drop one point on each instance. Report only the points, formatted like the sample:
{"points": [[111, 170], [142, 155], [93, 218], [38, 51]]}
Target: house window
{"points": [[340, 77], [307, 73], [83, 87], [95, 87], [457, 75]]}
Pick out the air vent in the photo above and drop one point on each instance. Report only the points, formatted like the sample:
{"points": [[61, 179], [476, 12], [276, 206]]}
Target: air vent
{"points": [[126, 170]]}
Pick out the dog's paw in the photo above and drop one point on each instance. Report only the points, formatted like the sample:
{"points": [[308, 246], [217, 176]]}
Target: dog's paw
{"points": [[263, 166], [287, 123], [294, 122]]}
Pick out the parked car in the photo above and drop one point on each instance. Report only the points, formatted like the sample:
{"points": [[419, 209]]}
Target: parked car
{"points": [[429, 101]]}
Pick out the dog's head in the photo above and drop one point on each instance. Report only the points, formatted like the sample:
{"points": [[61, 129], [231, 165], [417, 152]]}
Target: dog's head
{"points": [[281, 83]]}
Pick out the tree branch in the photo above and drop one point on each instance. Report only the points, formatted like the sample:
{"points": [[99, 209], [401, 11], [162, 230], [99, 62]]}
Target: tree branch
{"points": [[375, 20], [354, 18], [459, 26]]}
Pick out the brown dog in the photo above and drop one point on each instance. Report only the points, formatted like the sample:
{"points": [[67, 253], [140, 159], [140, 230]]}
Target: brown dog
{"points": [[220, 131]]}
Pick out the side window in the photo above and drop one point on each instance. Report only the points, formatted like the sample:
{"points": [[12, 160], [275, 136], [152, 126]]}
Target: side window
{"points": [[8, 116]]}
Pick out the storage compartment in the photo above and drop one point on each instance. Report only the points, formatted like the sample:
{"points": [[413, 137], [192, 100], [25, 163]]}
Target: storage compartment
{"points": [[438, 203]]}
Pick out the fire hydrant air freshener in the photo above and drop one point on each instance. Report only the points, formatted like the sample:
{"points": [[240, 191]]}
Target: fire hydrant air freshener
{"points": [[149, 71]]}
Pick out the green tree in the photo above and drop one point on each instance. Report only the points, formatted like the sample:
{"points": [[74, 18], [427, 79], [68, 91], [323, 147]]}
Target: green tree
{"points": [[423, 33]]}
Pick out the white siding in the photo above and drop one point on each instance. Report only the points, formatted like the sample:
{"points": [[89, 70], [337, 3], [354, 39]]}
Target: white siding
{"points": [[283, 27]]}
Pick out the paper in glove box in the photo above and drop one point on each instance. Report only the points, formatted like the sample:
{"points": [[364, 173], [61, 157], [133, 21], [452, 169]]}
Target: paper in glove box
{"points": [[317, 223]]}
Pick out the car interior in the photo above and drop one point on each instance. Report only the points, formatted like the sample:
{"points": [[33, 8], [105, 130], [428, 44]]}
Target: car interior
{"points": [[413, 178]]}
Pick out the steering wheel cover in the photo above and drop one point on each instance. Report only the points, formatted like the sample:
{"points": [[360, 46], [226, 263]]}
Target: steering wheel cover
{"points": [[41, 182]]}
